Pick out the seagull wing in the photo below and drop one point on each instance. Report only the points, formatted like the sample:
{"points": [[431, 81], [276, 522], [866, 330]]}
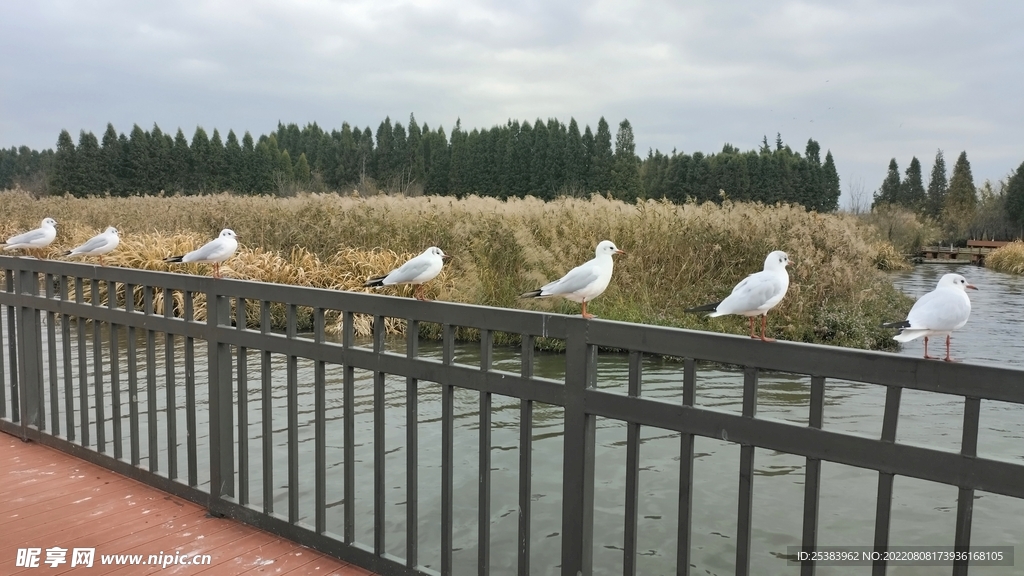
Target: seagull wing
{"points": [[940, 310], [409, 272], [575, 280], [754, 292], [27, 237], [213, 251], [97, 242]]}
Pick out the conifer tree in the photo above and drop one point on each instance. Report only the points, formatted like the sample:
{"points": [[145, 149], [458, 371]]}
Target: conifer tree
{"points": [[89, 165], [1015, 199], [889, 192], [180, 163], [830, 199], [63, 179], [912, 194], [601, 160], [200, 168], [232, 163], [139, 168], [218, 164], [110, 151], [626, 167], [301, 171], [961, 200], [937, 187]]}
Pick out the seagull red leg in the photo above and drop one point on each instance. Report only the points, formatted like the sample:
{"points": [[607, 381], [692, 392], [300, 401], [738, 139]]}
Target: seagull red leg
{"points": [[752, 333], [585, 314], [948, 358], [764, 324], [418, 293], [926, 350]]}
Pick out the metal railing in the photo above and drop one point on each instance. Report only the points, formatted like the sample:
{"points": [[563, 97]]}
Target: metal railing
{"points": [[52, 318]]}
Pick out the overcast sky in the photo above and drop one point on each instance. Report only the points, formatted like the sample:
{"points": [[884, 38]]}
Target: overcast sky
{"points": [[869, 80]]}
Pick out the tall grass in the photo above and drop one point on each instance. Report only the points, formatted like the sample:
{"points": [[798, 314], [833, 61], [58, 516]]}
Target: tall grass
{"points": [[1008, 258], [678, 255]]}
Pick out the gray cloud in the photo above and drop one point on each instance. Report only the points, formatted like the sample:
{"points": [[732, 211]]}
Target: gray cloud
{"points": [[869, 80]]}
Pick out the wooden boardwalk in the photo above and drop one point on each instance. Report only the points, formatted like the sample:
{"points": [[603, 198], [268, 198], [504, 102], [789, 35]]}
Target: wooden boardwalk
{"points": [[49, 499]]}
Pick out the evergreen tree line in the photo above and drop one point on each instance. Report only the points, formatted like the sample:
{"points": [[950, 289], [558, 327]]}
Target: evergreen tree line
{"points": [[544, 159], [963, 209]]}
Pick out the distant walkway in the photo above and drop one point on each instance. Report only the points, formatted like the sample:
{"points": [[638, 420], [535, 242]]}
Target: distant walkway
{"points": [[54, 502]]}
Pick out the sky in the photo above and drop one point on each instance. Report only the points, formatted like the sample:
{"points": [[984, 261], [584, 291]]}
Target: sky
{"points": [[869, 80]]}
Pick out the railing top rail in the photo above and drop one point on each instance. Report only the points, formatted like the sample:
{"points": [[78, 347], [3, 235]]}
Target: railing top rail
{"points": [[882, 368]]}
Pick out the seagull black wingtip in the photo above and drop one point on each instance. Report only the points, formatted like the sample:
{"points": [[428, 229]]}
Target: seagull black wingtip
{"points": [[705, 308]]}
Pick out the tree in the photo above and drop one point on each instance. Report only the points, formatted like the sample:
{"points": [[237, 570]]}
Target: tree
{"points": [[302, 173], [63, 178], [937, 187], [180, 163], [110, 151], [1015, 197], [601, 160], [830, 199], [912, 194], [626, 166], [961, 200], [889, 192], [89, 165]]}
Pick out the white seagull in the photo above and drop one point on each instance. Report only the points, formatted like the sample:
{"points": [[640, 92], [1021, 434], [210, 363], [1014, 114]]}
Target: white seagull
{"points": [[584, 282], [34, 239], [756, 294], [100, 244], [422, 268], [213, 252], [937, 313]]}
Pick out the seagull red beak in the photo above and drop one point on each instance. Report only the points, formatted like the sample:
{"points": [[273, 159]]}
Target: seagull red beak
{"points": [[446, 257], [617, 251], [971, 286]]}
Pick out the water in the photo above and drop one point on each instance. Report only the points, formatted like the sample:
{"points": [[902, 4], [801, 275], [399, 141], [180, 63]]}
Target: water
{"points": [[923, 513]]}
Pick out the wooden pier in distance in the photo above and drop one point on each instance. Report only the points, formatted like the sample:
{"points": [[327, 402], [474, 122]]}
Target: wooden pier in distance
{"points": [[974, 253]]}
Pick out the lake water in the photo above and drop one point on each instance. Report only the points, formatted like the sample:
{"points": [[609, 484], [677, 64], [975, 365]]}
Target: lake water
{"points": [[923, 513]]}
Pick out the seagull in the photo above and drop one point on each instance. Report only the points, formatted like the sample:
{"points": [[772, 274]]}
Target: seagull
{"points": [[34, 239], [213, 252], [584, 282], [98, 245], [756, 294], [937, 313], [422, 268]]}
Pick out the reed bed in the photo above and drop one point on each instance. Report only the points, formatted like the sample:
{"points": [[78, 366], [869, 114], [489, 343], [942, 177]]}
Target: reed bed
{"points": [[677, 255], [1008, 258]]}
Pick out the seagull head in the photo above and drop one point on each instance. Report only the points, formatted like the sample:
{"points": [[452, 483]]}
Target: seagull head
{"points": [[607, 247], [435, 251], [228, 233], [49, 222], [955, 281], [110, 230], [777, 260]]}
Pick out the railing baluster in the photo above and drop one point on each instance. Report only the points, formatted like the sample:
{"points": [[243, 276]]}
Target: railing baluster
{"points": [[349, 425], [133, 378], [83, 368], [8, 287], [379, 449], [578, 453], [148, 295], [447, 452], [293, 420], [320, 427], [188, 315], [69, 369], [525, 461], [221, 425], [412, 347], [965, 496], [243, 408], [29, 339], [97, 367], [115, 374], [51, 358], [812, 477], [243, 405], [683, 537], [484, 470], [169, 389], [883, 508], [746, 488], [267, 401], [629, 532]]}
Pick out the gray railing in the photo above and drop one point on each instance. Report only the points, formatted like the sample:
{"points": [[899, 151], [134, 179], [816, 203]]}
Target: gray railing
{"points": [[52, 318]]}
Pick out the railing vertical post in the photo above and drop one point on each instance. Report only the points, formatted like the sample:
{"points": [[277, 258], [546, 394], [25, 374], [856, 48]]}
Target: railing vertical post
{"points": [[222, 458], [29, 356], [578, 447]]}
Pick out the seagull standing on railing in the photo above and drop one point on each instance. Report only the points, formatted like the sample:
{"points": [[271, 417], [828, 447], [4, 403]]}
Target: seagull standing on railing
{"points": [[100, 244], [34, 239], [756, 294], [214, 252], [422, 268], [937, 313], [584, 282]]}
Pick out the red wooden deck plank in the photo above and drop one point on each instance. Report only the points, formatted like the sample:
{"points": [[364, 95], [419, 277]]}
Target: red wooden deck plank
{"points": [[49, 499]]}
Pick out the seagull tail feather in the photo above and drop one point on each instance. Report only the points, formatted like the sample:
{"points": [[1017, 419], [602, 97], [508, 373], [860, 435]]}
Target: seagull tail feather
{"points": [[531, 294], [375, 281], [705, 308], [909, 334], [900, 324], [173, 259]]}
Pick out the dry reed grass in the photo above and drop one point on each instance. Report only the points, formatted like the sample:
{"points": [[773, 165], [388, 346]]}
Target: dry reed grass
{"points": [[678, 255], [1009, 258]]}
